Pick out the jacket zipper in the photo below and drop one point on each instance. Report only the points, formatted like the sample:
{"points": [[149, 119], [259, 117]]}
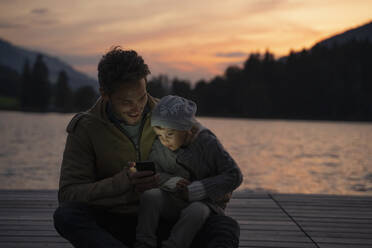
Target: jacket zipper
{"points": [[136, 147], [140, 136]]}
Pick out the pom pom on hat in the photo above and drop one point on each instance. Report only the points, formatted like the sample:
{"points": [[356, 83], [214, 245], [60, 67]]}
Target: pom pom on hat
{"points": [[174, 112]]}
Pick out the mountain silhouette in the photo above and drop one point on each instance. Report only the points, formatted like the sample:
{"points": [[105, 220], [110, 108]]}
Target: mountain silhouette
{"points": [[14, 57], [360, 33]]}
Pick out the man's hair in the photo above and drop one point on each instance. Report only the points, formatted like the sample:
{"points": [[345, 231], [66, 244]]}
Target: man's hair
{"points": [[119, 67]]}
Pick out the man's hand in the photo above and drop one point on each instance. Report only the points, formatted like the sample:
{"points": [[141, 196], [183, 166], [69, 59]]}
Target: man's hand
{"points": [[142, 180]]}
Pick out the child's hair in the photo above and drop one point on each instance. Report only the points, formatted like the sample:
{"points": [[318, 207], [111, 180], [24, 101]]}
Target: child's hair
{"points": [[174, 112]]}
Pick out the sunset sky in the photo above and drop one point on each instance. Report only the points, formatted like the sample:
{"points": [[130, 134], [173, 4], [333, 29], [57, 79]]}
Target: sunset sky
{"points": [[190, 39]]}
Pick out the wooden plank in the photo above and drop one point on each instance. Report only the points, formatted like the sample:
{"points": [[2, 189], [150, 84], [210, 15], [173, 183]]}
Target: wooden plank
{"points": [[336, 207], [27, 209], [48, 227], [320, 202], [338, 245], [337, 228], [340, 240], [344, 234], [247, 195], [310, 197], [275, 244], [262, 218], [332, 214], [31, 239], [27, 233], [34, 245], [293, 236], [249, 213], [308, 200], [264, 227], [350, 226], [332, 221], [266, 222]]}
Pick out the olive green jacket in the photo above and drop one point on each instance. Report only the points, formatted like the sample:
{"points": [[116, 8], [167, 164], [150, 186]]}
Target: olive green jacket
{"points": [[95, 160]]}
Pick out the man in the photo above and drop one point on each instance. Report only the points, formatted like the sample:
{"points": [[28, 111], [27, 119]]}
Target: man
{"points": [[98, 194]]}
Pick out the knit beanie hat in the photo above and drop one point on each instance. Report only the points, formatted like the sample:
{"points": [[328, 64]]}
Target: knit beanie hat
{"points": [[174, 112]]}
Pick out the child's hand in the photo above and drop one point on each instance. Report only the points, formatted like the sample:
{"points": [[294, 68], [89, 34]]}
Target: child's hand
{"points": [[225, 198], [222, 201], [182, 184], [182, 188]]}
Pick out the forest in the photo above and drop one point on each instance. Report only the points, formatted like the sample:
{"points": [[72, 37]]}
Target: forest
{"points": [[32, 90], [321, 83]]}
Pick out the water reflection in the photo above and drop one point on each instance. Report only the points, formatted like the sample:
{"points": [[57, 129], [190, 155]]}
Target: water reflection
{"points": [[275, 156]]}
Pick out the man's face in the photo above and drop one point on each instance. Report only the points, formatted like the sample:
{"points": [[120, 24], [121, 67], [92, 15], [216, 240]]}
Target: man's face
{"points": [[170, 138], [129, 101]]}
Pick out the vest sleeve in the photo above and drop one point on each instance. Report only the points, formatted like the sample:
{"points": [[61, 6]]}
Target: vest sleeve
{"points": [[78, 182]]}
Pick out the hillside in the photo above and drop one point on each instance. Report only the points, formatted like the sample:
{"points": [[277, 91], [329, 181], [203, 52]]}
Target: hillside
{"points": [[13, 56], [360, 33]]}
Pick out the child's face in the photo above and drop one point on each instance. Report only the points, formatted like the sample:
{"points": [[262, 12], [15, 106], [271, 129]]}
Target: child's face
{"points": [[171, 138]]}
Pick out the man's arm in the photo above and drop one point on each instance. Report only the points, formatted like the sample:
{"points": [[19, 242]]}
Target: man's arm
{"points": [[78, 181]]}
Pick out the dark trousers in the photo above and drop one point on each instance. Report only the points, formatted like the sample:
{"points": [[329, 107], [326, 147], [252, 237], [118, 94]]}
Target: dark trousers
{"points": [[85, 226]]}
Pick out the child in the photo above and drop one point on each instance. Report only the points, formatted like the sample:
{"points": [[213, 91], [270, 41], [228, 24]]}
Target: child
{"points": [[195, 173]]}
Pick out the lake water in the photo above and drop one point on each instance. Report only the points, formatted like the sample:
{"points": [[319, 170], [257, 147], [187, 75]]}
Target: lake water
{"points": [[274, 155]]}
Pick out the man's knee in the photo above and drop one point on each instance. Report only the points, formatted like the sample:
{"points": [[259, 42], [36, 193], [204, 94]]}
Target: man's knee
{"points": [[223, 223], [220, 231], [67, 218], [60, 220]]}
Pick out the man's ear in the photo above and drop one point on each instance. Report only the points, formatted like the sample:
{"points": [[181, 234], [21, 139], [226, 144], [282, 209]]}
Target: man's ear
{"points": [[104, 95]]}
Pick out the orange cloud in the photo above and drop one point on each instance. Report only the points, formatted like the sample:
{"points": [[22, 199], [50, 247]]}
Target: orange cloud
{"points": [[178, 38]]}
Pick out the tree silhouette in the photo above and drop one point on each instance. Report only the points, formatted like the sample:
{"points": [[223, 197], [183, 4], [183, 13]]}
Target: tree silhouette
{"points": [[63, 94], [181, 88], [41, 91], [333, 83], [325, 82], [26, 87], [9, 82], [84, 98], [159, 86]]}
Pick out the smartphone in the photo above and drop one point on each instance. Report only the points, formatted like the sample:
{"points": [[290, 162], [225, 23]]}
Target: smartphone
{"points": [[145, 166]]}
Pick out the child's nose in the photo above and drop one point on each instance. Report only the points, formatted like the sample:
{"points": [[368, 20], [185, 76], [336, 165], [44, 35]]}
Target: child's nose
{"points": [[164, 142]]}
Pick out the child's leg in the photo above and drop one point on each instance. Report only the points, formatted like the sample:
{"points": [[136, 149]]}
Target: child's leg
{"points": [[153, 203], [190, 221], [148, 216]]}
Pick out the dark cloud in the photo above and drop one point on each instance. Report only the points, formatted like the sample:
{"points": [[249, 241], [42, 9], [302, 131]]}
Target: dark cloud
{"points": [[8, 25], [232, 55], [40, 11], [267, 5], [81, 60], [223, 65], [46, 22]]}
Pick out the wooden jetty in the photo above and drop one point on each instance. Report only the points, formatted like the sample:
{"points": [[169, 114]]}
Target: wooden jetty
{"points": [[266, 220]]}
